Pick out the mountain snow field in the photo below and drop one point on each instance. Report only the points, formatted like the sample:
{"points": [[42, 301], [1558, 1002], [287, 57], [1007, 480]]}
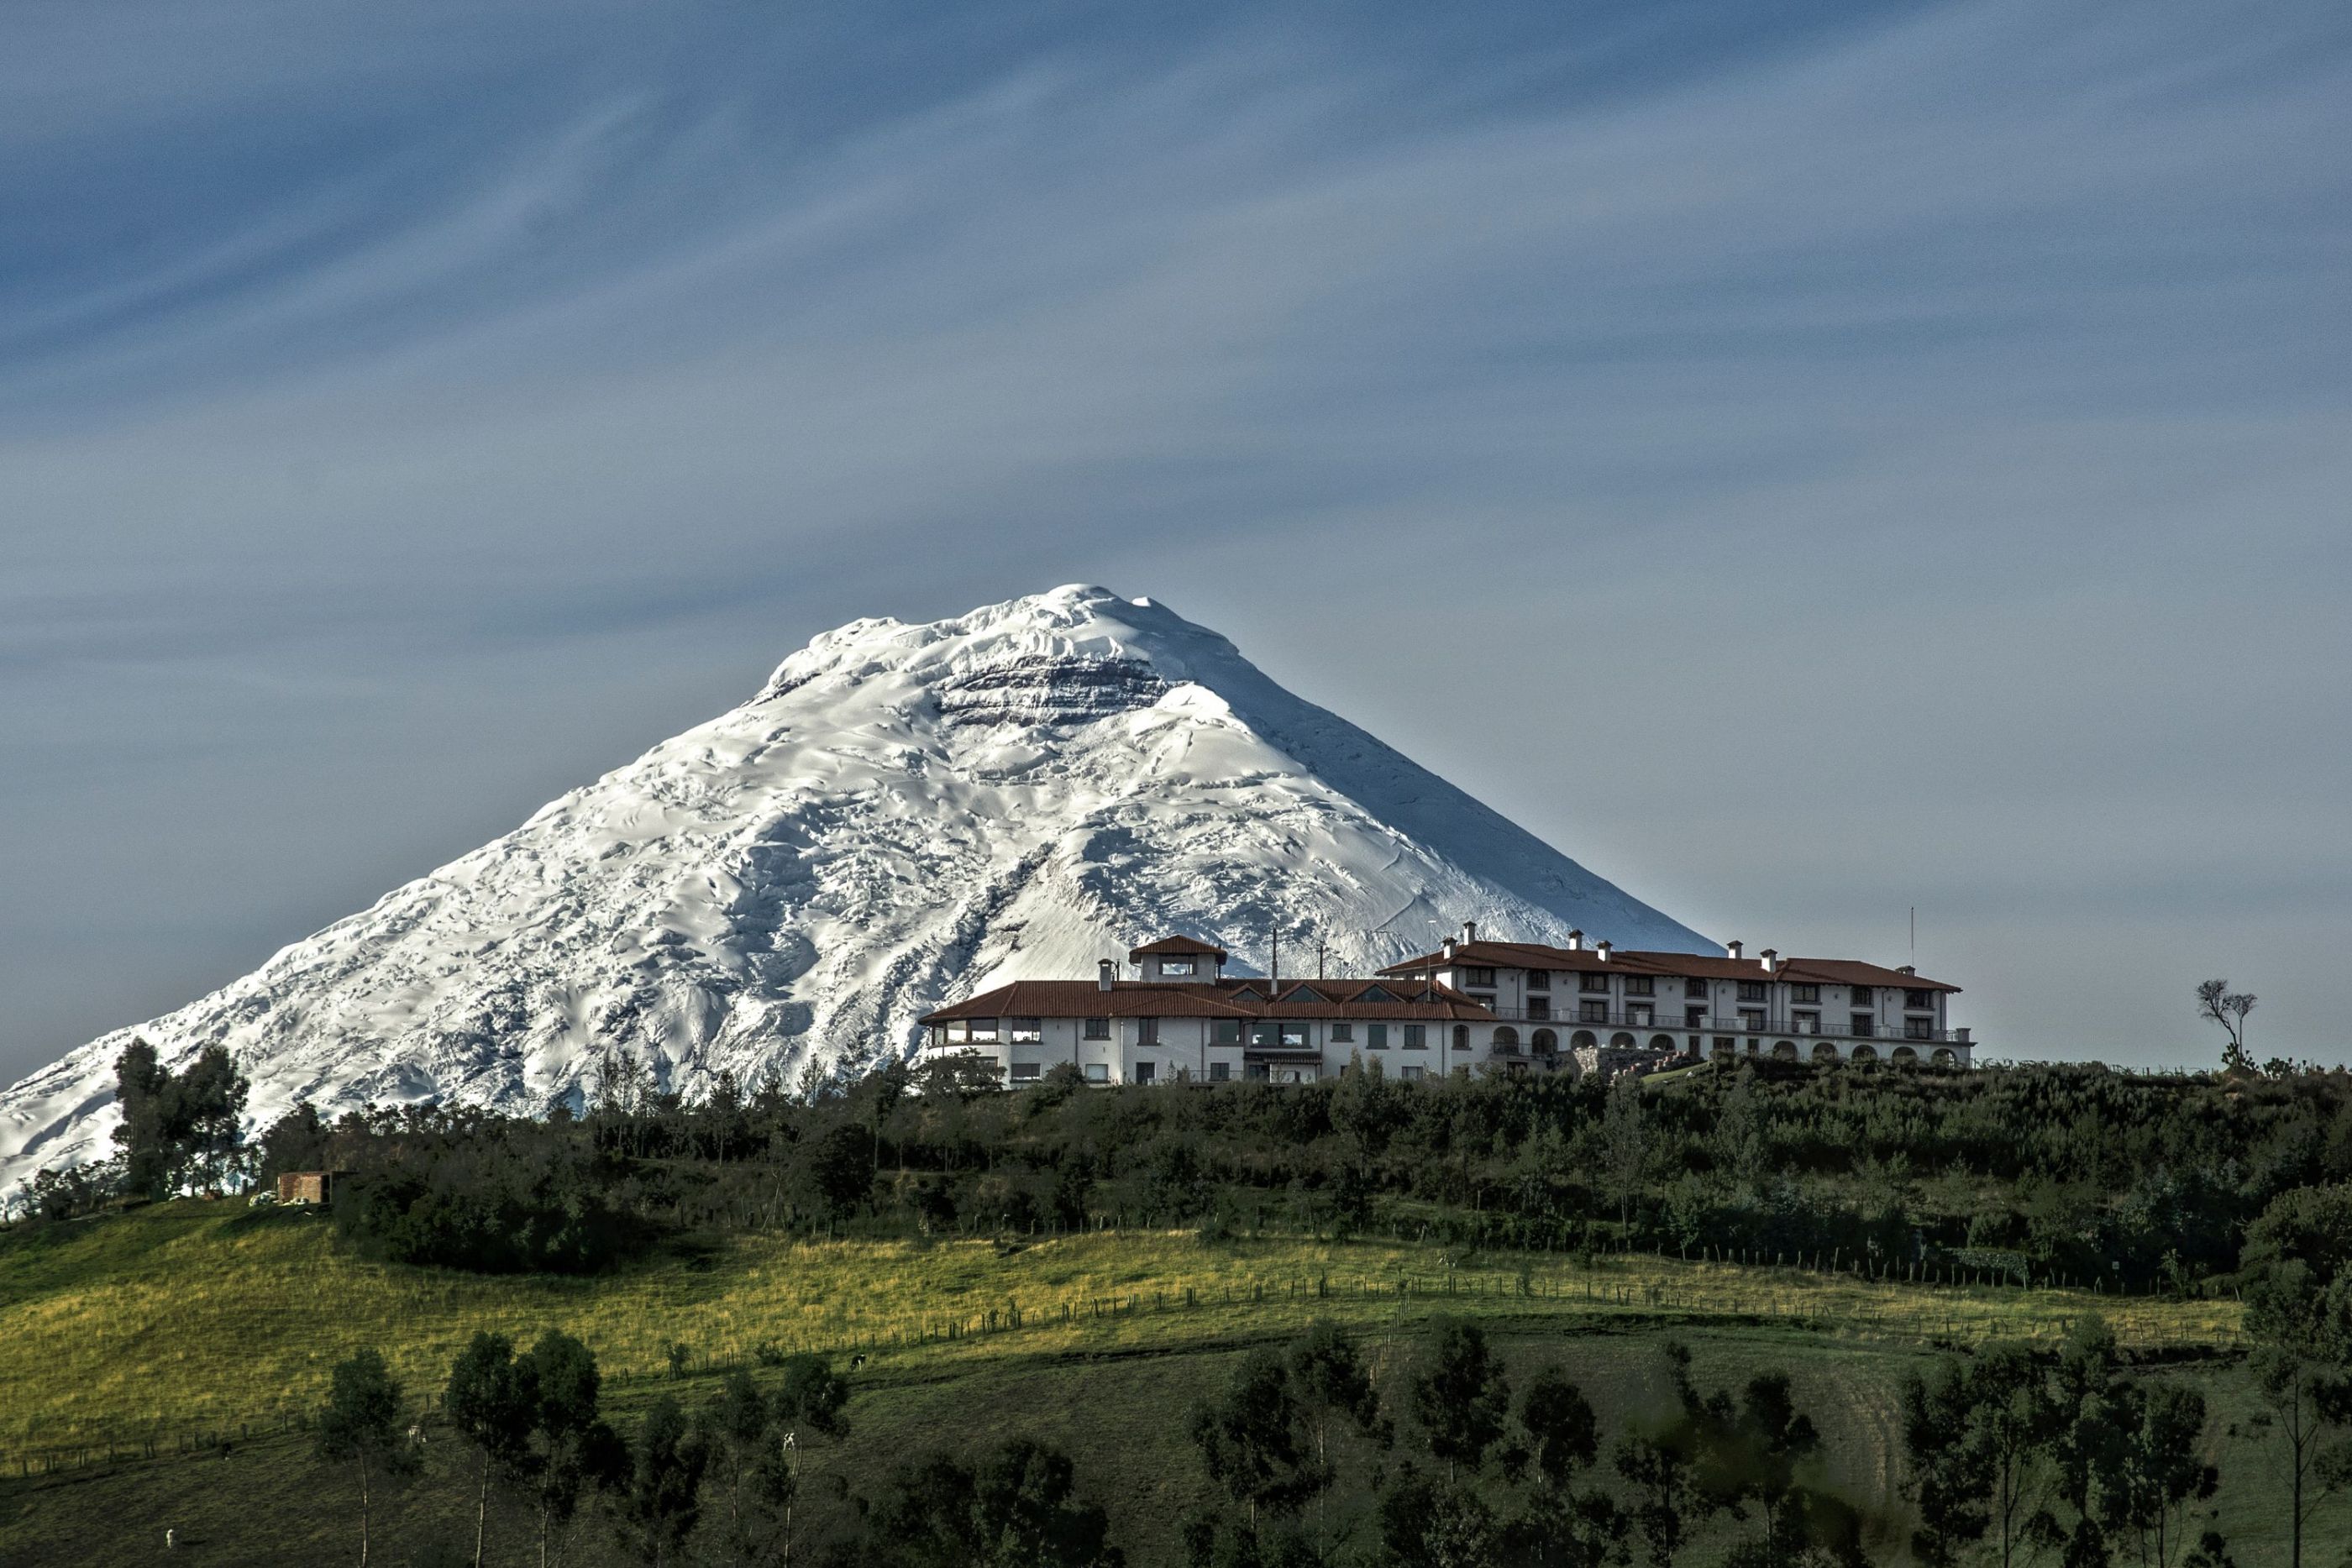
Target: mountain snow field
{"points": [[905, 815]]}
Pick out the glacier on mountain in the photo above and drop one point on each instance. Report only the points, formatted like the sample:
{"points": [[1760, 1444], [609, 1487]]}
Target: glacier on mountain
{"points": [[904, 814]]}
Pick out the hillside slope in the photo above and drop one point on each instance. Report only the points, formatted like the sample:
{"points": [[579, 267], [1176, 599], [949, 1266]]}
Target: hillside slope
{"points": [[902, 815]]}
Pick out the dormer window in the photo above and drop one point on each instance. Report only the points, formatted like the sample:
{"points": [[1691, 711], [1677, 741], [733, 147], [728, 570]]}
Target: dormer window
{"points": [[1176, 969], [1374, 994], [1248, 994]]}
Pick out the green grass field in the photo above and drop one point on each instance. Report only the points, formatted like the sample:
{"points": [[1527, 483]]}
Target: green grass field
{"points": [[151, 1332]]}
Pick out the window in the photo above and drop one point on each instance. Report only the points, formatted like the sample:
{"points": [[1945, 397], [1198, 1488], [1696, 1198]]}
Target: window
{"points": [[1295, 1037], [1723, 1043], [1412, 1073], [1376, 1036], [1172, 967], [1342, 1033], [1226, 1031], [1478, 975], [1098, 1029], [1219, 1071], [1695, 990], [1305, 994], [1592, 1012], [1146, 1071], [1097, 1071], [1751, 1019], [1374, 994], [1593, 982], [1539, 1008], [1754, 991], [1918, 998], [1027, 1032], [1694, 1018], [1862, 995], [1639, 1013], [1022, 1069], [1861, 1025], [1640, 986], [1807, 1023], [1462, 1037], [1247, 994], [1416, 1037], [1917, 1028], [1539, 979], [1804, 993], [984, 1028], [1146, 1032], [1265, 1035]]}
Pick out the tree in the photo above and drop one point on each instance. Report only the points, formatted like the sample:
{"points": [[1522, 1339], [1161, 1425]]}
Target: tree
{"points": [[1976, 1432], [2299, 1316], [1331, 1387], [571, 1444], [491, 1404], [1458, 1395], [663, 1493], [1425, 1523], [1562, 1526], [2218, 1004], [361, 1426], [211, 1113], [1017, 1507], [2167, 1470], [811, 1394], [148, 1148], [752, 1469], [1251, 1441], [1625, 1145], [1564, 1436]]}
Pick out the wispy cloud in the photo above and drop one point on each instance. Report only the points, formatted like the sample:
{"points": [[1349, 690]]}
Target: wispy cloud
{"points": [[1954, 359]]}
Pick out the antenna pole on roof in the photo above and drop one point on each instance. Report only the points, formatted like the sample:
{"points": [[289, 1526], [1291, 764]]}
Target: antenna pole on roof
{"points": [[1915, 930], [1273, 960], [1321, 946]]}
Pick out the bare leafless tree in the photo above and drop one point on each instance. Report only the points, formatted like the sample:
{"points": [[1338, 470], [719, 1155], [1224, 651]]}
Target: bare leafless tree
{"points": [[2229, 1008]]}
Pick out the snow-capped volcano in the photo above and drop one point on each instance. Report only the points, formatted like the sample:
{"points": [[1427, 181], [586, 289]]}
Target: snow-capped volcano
{"points": [[903, 815]]}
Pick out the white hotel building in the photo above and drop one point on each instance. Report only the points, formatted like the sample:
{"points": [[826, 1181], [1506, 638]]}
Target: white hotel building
{"points": [[1504, 1005]]}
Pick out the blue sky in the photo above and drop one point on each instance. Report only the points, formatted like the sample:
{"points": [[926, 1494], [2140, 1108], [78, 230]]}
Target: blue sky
{"points": [[1805, 461]]}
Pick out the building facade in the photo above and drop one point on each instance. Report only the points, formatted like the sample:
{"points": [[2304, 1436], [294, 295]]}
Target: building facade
{"points": [[1497, 1006], [1591, 999]]}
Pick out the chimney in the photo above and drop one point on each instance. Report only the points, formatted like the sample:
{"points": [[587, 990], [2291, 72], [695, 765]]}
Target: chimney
{"points": [[1771, 960], [1104, 973], [1907, 969], [1732, 948], [1575, 941], [1601, 951], [1449, 949], [1959, 1037], [1469, 931]]}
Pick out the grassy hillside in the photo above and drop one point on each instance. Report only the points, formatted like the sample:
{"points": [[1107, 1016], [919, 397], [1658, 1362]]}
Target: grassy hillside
{"points": [[151, 1331]]}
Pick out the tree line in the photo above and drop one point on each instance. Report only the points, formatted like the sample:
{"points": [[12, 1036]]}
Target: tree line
{"points": [[717, 1485]]}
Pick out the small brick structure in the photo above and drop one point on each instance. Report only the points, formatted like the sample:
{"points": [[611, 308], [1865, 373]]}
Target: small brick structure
{"points": [[305, 1186]]}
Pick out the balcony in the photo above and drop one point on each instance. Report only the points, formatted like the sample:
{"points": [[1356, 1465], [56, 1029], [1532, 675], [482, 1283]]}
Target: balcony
{"points": [[1900, 1033]]}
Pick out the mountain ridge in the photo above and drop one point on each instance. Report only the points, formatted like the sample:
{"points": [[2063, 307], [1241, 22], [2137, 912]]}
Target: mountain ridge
{"points": [[904, 813]]}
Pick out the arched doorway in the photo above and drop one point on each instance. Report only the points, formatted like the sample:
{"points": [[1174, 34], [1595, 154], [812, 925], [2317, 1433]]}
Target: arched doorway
{"points": [[1583, 1040], [1903, 1056], [1784, 1050], [1506, 1042], [1544, 1042], [1825, 1054], [1621, 1041], [1944, 1057], [1665, 1042], [1864, 1053]]}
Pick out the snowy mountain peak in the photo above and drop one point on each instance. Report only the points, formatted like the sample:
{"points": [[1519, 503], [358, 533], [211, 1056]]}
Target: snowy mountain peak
{"points": [[904, 813]]}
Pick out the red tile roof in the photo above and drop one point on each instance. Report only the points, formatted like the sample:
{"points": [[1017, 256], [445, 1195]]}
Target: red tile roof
{"points": [[1699, 966]]}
